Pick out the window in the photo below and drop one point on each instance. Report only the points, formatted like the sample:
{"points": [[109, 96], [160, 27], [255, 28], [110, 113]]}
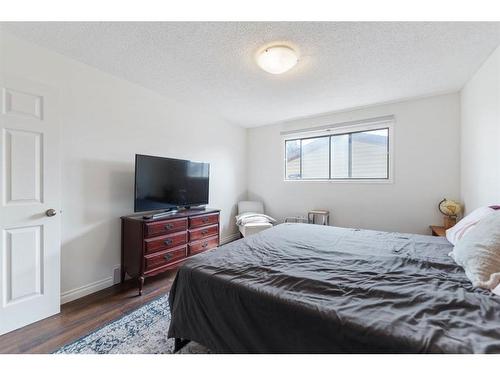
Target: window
{"points": [[357, 155]]}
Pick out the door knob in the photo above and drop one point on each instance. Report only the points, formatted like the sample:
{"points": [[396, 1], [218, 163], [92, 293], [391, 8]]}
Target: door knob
{"points": [[50, 212]]}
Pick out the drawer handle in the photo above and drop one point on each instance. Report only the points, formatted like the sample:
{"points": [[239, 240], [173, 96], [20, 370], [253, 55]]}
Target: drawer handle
{"points": [[167, 256], [204, 219], [204, 231], [168, 241], [169, 226], [204, 244]]}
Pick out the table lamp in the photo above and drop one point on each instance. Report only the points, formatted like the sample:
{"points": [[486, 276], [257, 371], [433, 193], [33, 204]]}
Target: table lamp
{"points": [[450, 209]]}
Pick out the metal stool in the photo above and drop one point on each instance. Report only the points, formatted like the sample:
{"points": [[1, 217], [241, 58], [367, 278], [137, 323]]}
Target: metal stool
{"points": [[320, 217]]}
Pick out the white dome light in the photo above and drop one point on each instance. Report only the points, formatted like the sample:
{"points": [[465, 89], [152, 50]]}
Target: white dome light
{"points": [[277, 59]]}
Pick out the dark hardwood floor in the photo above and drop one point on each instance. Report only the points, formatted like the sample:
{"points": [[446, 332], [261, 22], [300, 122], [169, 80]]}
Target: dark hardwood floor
{"points": [[80, 317]]}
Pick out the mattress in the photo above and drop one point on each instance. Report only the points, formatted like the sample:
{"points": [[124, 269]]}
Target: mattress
{"points": [[300, 288]]}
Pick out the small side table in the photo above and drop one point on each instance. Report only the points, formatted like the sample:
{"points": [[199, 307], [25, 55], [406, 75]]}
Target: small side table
{"points": [[438, 231], [321, 217]]}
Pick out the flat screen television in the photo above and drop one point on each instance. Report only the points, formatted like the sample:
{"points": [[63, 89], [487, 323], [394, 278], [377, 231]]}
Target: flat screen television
{"points": [[166, 184]]}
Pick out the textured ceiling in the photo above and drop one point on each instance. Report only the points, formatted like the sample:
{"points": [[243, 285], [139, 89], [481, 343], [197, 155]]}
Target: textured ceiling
{"points": [[211, 65]]}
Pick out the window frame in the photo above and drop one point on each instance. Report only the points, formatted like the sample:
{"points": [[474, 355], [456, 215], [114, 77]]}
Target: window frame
{"points": [[345, 130]]}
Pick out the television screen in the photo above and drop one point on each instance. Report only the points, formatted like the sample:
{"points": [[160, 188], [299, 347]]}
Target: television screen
{"points": [[164, 183]]}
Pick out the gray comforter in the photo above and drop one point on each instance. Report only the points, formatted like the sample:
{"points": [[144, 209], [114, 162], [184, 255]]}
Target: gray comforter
{"points": [[299, 288]]}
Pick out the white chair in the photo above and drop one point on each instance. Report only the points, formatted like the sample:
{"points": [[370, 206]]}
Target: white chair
{"points": [[252, 228]]}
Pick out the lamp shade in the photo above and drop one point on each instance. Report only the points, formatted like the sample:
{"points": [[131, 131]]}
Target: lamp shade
{"points": [[449, 207]]}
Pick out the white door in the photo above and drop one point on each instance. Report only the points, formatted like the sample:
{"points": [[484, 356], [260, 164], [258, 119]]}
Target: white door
{"points": [[29, 187]]}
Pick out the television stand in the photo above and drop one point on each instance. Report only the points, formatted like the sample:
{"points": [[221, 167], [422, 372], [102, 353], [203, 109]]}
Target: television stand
{"points": [[159, 215], [194, 208]]}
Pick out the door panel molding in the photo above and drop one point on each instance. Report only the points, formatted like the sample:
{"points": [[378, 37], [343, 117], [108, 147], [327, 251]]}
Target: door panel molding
{"points": [[22, 167], [24, 104], [23, 264]]}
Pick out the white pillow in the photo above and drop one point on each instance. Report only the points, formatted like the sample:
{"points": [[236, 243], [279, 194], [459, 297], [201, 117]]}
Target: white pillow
{"points": [[252, 217], [479, 252], [460, 229]]}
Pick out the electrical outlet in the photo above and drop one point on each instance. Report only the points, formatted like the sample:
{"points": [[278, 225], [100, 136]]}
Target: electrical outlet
{"points": [[117, 277]]}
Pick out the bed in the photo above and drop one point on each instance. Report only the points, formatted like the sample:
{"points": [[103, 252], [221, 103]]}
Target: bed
{"points": [[300, 288]]}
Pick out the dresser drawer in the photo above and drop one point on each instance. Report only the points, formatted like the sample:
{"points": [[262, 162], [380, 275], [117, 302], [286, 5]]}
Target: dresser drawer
{"points": [[165, 242], [202, 220], [202, 245], [159, 228], [164, 258], [203, 232]]}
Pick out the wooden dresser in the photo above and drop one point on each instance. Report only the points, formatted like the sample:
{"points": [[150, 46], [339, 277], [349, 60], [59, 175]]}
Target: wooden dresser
{"points": [[152, 246]]}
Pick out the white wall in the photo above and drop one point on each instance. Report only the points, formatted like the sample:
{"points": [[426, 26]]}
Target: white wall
{"points": [[105, 121], [480, 136], [426, 169]]}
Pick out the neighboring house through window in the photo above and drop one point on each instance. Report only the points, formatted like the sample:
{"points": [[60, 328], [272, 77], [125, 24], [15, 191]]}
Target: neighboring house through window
{"points": [[354, 152]]}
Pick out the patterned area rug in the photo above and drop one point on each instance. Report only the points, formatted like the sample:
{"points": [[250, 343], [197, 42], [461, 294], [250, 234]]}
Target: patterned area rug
{"points": [[143, 331]]}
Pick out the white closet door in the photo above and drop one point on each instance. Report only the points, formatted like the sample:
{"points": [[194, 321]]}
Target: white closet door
{"points": [[30, 242]]}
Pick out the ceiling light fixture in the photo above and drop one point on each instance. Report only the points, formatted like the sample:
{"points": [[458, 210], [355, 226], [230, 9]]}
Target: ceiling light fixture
{"points": [[277, 59]]}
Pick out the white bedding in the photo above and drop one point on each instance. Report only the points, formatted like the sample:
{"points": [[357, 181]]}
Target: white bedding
{"points": [[253, 218]]}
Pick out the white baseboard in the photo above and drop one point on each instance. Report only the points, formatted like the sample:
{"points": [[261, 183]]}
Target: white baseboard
{"points": [[231, 237], [96, 286], [82, 291]]}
